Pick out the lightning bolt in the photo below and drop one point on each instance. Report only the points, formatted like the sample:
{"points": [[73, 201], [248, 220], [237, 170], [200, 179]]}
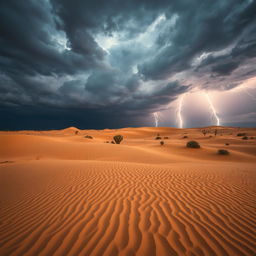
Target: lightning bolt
{"points": [[155, 114], [213, 109], [180, 110]]}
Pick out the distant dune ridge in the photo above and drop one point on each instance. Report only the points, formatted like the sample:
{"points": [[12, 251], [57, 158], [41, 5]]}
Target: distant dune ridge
{"points": [[62, 193]]}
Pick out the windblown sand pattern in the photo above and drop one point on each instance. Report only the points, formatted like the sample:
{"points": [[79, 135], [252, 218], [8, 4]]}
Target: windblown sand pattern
{"points": [[119, 207]]}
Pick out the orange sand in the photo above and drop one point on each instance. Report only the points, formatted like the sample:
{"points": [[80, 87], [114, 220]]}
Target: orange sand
{"points": [[63, 194]]}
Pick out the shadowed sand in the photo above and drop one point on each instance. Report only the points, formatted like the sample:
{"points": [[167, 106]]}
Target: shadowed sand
{"points": [[63, 194]]}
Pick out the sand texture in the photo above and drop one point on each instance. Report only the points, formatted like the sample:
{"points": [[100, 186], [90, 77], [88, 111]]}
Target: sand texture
{"points": [[64, 194]]}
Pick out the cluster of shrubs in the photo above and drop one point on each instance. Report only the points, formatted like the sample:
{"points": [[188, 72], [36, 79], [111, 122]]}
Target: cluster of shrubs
{"points": [[117, 139], [158, 137], [204, 132], [190, 144], [195, 144], [244, 136], [88, 137]]}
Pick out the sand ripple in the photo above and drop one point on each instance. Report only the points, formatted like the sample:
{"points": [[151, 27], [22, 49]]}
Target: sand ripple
{"points": [[103, 208]]}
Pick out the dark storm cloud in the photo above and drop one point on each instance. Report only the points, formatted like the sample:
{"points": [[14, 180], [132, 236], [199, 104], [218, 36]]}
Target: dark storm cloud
{"points": [[206, 27], [29, 42], [103, 57], [226, 68]]}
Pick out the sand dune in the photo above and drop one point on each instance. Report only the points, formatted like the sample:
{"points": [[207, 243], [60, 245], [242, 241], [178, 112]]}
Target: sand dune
{"points": [[62, 194]]}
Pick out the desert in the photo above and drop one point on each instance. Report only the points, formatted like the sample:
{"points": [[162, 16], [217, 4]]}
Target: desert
{"points": [[73, 192]]}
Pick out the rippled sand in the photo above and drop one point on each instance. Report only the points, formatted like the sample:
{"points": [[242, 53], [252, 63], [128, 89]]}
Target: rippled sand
{"points": [[63, 194]]}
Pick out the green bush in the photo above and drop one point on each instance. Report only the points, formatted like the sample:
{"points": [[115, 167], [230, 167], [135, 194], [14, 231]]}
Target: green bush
{"points": [[88, 137], [193, 144], [118, 139], [223, 152], [245, 138], [161, 143]]}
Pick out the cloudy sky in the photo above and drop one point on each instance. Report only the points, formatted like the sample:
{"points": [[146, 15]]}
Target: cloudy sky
{"points": [[110, 64]]}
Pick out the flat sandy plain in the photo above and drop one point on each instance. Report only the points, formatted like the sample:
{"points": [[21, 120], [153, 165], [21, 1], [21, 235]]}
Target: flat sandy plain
{"points": [[63, 194]]}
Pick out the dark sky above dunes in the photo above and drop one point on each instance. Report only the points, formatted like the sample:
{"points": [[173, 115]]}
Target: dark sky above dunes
{"points": [[110, 64]]}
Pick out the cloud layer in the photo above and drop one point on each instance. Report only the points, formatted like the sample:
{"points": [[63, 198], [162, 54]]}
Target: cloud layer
{"points": [[103, 58]]}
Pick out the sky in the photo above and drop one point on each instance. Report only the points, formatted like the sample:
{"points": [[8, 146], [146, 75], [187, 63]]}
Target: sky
{"points": [[111, 64]]}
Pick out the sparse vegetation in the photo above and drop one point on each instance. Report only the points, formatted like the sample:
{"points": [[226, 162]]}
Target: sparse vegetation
{"points": [[193, 144], [223, 152], [112, 142], [227, 144], [251, 138], [88, 137], [118, 139], [185, 137], [241, 134], [158, 138], [166, 138], [161, 143], [245, 138]]}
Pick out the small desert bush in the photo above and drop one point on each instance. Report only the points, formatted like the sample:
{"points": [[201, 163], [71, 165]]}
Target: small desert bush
{"points": [[161, 143], [158, 138], [185, 137], [193, 144], [245, 138], [112, 142], [241, 134], [88, 137], [227, 144], [118, 139], [223, 152], [166, 138], [251, 138]]}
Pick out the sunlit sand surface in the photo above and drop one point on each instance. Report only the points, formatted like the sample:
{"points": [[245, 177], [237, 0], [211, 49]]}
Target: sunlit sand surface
{"points": [[64, 194]]}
